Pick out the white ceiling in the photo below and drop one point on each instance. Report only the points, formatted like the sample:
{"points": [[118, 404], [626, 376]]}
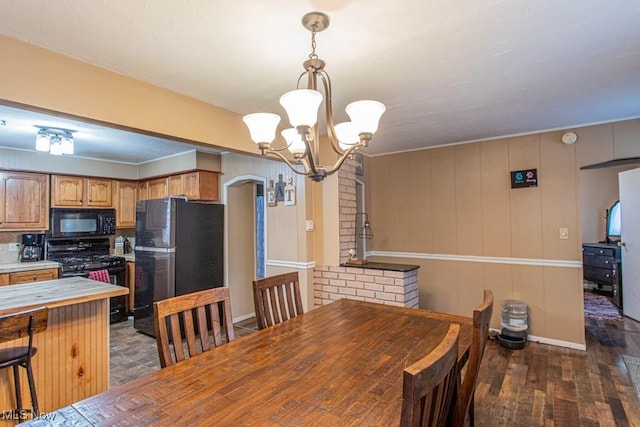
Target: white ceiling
{"points": [[448, 71]]}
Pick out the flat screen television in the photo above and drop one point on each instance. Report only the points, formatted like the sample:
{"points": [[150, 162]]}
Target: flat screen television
{"points": [[614, 226]]}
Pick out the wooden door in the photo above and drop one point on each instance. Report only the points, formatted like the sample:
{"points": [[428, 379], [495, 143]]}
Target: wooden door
{"points": [[125, 203], [67, 191], [99, 193], [24, 201], [629, 189]]}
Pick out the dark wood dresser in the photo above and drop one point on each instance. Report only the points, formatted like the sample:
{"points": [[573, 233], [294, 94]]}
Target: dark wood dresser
{"points": [[601, 264]]}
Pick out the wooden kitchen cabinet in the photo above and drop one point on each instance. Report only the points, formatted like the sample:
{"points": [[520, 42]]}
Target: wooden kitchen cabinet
{"points": [[201, 185], [143, 190], [158, 188], [77, 191], [124, 201], [32, 276], [197, 185], [24, 199], [4, 279]]}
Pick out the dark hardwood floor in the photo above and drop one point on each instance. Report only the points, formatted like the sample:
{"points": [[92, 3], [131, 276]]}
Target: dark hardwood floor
{"points": [[543, 385]]}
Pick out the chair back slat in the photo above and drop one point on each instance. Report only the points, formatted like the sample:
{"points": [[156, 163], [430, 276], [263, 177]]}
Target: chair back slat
{"points": [[429, 384], [276, 299], [194, 318], [201, 316], [176, 336], [463, 412], [16, 325]]}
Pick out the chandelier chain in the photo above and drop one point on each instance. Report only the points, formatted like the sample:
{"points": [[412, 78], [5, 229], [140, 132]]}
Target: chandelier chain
{"points": [[313, 54]]}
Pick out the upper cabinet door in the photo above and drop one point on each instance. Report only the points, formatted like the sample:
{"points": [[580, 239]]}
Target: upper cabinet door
{"points": [[200, 185], [158, 188], [75, 191], [124, 200], [99, 193], [25, 201], [67, 191]]}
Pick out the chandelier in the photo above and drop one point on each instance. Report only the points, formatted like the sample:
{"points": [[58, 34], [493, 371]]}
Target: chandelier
{"points": [[301, 105], [56, 141]]}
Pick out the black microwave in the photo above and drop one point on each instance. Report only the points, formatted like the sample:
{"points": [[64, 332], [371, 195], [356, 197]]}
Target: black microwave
{"points": [[79, 222]]}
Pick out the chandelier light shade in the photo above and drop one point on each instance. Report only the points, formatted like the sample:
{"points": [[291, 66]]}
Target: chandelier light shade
{"points": [[56, 141], [303, 138]]}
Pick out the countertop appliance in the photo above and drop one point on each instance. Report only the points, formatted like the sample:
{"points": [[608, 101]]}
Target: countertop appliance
{"points": [[32, 247], [78, 257], [82, 222], [179, 250]]}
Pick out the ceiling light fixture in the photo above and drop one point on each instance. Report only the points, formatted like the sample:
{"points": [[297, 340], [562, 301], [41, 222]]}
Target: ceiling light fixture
{"points": [[56, 141], [301, 105]]}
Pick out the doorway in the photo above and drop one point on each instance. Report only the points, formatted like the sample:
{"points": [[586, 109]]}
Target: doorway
{"points": [[246, 236], [599, 190]]}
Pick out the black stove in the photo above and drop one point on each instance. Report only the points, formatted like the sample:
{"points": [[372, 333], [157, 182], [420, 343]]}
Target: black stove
{"points": [[80, 256], [89, 262]]}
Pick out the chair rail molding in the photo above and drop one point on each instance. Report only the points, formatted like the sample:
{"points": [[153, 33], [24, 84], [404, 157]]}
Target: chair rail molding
{"points": [[481, 259]]}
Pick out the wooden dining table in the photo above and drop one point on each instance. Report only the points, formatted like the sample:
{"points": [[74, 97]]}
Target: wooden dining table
{"points": [[340, 364]]}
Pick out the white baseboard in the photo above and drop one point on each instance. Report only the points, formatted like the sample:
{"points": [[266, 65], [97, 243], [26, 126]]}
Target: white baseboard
{"points": [[243, 317], [552, 341]]}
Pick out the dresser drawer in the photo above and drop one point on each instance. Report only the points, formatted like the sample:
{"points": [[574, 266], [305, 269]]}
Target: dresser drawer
{"points": [[599, 261], [600, 251], [600, 275]]}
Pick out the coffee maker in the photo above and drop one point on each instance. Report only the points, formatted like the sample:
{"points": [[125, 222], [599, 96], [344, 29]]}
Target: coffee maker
{"points": [[32, 247]]}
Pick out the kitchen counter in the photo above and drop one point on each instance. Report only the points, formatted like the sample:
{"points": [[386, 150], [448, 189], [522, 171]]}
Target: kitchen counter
{"points": [[55, 293], [14, 267], [130, 257], [72, 362]]}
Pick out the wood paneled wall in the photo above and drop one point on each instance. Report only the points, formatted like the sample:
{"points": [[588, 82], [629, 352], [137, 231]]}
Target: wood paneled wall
{"points": [[453, 207]]}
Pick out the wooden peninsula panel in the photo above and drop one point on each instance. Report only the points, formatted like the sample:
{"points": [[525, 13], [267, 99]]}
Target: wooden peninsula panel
{"points": [[72, 362]]}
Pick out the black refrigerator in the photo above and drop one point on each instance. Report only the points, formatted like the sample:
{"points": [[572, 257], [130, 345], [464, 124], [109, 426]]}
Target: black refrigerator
{"points": [[178, 251]]}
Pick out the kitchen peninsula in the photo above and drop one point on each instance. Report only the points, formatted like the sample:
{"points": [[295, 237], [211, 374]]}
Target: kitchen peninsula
{"points": [[72, 362]]}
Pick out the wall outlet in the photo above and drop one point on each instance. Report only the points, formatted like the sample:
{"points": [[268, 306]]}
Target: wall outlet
{"points": [[309, 225], [14, 247], [563, 233]]}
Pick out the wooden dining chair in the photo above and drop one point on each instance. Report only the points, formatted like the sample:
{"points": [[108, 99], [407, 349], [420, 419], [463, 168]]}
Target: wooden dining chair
{"points": [[463, 411], [15, 326], [276, 299], [429, 384], [194, 318]]}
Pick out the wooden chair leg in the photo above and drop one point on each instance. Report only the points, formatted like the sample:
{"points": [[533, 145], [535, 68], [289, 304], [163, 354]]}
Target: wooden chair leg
{"points": [[471, 411], [16, 382], [32, 391]]}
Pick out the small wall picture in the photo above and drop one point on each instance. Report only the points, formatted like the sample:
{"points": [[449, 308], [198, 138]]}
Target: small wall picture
{"points": [[290, 193], [271, 194]]}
